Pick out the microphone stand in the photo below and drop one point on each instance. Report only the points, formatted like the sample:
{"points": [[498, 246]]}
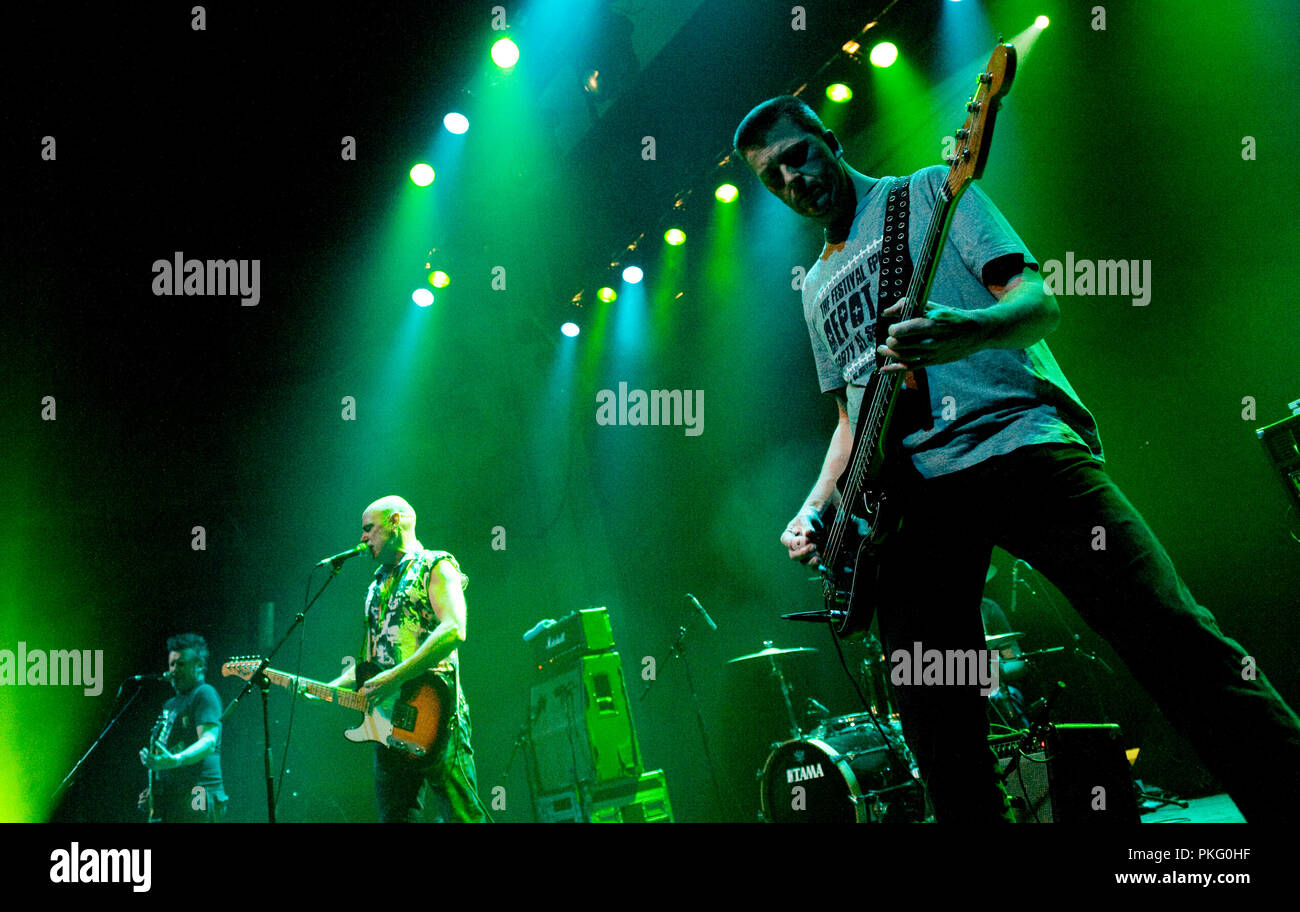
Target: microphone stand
{"points": [[68, 779], [264, 685], [678, 651]]}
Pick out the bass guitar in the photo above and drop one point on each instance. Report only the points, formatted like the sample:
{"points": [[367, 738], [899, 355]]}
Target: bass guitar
{"points": [[413, 721], [850, 541]]}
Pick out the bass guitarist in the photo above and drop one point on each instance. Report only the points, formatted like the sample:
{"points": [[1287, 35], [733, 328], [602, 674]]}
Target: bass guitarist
{"points": [[995, 449]]}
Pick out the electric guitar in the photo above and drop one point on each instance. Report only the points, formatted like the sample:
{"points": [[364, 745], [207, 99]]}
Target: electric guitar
{"points": [[850, 542], [413, 721], [158, 738]]}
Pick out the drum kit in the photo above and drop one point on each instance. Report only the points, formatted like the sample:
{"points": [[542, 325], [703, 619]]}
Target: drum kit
{"points": [[854, 768], [845, 769]]}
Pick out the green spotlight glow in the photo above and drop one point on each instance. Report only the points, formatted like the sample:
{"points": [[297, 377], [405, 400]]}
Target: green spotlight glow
{"points": [[422, 296], [675, 236], [838, 91], [727, 193], [422, 175], [570, 329], [505, 53], [456, 123], [439, 279], [1042, 22], [884, 54], [607, 294]]}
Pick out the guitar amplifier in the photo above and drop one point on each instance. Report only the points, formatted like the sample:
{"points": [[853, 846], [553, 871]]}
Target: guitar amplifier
{"points": [[582, 730], [581, 633], [642, 800], [1281, 441], [1077, 774]]}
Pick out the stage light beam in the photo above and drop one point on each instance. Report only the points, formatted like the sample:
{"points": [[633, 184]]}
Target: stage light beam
{"points": [[422, 297], [456, 123], [675, 236], [422, 175], [727, 193]]}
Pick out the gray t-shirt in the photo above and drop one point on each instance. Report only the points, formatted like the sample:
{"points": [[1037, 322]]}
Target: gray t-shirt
{"points": [[989, 404]]}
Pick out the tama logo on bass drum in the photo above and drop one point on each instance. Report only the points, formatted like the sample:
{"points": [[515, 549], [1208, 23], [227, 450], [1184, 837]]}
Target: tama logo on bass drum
{"points": [[803, 773]]}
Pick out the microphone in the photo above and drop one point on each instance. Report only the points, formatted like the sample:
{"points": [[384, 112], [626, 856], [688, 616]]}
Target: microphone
{"points": [[1025, 579], [339, 558], [700, 608], [165, 676]]}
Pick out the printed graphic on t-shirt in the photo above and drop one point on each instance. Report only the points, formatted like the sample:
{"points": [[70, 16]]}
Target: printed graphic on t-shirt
{"points": [[845, 309]]}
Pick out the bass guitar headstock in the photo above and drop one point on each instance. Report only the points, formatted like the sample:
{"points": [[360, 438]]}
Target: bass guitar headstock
{"points": [[976, 134]]}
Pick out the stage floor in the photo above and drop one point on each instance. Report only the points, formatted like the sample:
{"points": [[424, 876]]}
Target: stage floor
{"points": [[1214, 809]]}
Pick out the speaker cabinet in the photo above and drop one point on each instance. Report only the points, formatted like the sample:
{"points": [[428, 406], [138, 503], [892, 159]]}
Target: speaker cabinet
{"points": [[582, 732], [1078, 774]]}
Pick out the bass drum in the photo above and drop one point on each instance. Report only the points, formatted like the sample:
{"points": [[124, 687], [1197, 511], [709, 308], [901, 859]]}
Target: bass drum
{"points": [[845, 773]]}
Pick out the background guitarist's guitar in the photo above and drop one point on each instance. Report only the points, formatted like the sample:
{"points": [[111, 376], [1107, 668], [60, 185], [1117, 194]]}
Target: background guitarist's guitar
{"points": [[413, 721], [850, 543], [158, 738]]}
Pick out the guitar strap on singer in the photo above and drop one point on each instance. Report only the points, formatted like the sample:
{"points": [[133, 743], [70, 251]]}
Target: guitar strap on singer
{"points": [[895, 276]]}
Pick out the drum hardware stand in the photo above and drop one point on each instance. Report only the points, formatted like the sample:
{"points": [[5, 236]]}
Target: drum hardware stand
{"points": [[1076, 651], [786, 689]]}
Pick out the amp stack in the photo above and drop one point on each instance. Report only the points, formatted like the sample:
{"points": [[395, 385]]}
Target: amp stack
{"points": [[587, 766]]}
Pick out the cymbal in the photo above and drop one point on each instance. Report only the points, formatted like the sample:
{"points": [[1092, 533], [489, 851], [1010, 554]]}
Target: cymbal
{"points": [[771, 651], [997, 641]]}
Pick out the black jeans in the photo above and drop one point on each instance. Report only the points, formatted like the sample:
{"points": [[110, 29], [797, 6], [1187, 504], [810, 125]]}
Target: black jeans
{"points": [[1055, 507], [445, 791]]}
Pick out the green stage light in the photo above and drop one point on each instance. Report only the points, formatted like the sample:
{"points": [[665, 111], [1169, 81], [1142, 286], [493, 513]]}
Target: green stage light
{"points": [[422, 296], [727, 193], [456, 123], [1042, 22], [607, 294], [505, 53], [422, 175], [570, 329], [632, 275], [884, 54], [439, 279], [675, 236], [838, 91]]}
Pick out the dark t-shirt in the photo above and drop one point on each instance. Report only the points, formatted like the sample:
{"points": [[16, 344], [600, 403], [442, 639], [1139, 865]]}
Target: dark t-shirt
{"points": [[174, 790]]}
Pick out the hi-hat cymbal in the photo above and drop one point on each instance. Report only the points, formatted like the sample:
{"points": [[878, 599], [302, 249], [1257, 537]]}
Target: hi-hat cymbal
{"points": [[771, 651], [997, 641]]}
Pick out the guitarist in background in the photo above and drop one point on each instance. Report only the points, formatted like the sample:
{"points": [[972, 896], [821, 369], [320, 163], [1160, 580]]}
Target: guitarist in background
{"points": [[187, 786], [996, 449], [415, 621]]}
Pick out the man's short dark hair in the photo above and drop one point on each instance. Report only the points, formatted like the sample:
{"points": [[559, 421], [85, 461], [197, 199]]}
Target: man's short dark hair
{"points": [[754, 128], [184, 641]]}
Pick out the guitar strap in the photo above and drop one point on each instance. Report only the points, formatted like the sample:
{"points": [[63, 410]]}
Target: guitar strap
{"points": [[895, 276]]}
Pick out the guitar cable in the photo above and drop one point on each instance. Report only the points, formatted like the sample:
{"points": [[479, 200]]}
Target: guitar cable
{"points": [[889, 743]]}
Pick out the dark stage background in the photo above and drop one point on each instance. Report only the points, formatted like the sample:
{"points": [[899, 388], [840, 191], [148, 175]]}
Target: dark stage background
{"points": [[1127, 142]]}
